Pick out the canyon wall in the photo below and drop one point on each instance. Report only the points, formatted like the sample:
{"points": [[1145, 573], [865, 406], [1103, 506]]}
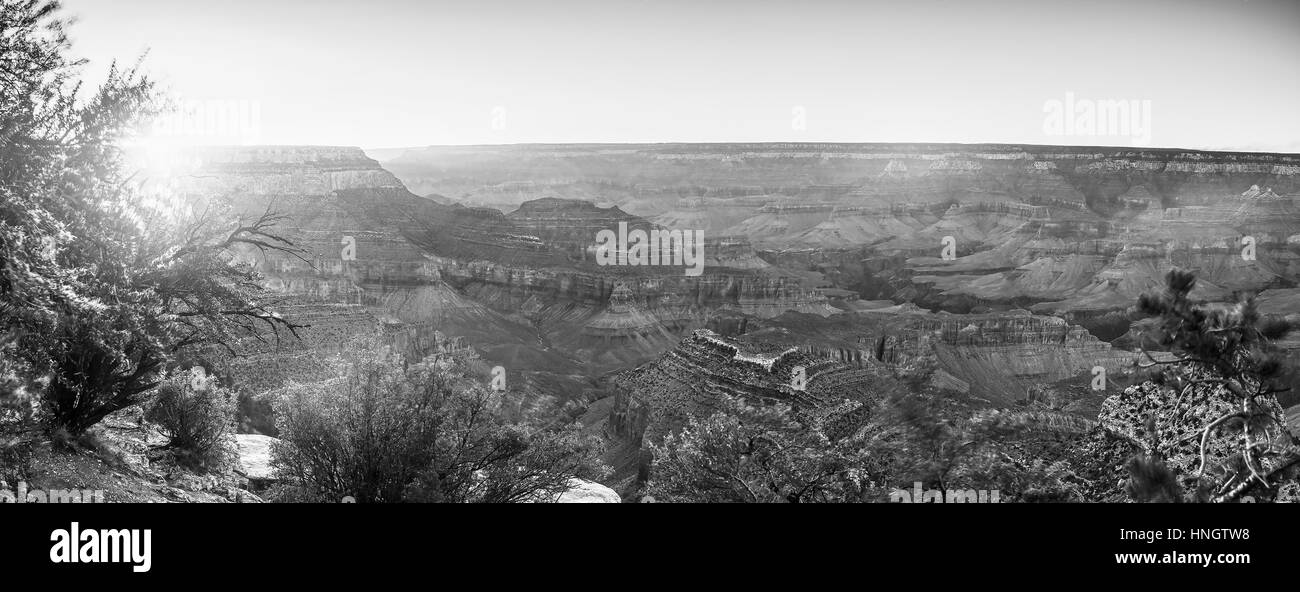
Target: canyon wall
{"points": [[863, 173]]}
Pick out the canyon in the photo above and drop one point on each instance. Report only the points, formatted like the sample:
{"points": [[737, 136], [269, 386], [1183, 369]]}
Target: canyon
{"points": [[1002, 276]]}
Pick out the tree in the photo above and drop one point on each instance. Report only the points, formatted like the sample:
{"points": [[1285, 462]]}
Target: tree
{"points": [[101, 286], [760, 453], [853, 450], [389, 431], [856, 450], [1223, 379]]}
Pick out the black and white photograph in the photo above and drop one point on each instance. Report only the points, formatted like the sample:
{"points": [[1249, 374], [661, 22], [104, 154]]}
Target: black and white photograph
{"points": [[315, 253]]}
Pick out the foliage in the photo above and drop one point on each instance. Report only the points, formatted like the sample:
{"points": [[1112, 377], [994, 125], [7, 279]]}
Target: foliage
{"points": [[1224, 358], [747, 453], [995, 449], [859, 450], [1151, 480], [17, 409], [101, 285], [197, 415], [388, 431]]}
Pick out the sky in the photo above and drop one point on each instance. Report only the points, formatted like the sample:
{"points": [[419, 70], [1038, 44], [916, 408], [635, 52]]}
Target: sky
{"points": [[1209, 74]]}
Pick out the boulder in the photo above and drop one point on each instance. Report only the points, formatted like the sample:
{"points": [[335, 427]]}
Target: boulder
{"points": [[588, 492], [255, 456]]}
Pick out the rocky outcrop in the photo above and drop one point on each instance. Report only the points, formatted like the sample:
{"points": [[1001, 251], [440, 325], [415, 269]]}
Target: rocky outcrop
{"points": [[689, 379], [999, 357], [281, 170], [255, 457], [588, 492], [815, 365], [623, 319], [664, 292], [1179, 423]]}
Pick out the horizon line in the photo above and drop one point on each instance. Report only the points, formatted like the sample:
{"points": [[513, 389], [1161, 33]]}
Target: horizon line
{"points": [[814, 143], [771, 143]]}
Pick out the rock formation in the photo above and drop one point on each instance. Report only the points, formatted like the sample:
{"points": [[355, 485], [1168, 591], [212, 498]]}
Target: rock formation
{"points": [[829, 258], [384, 266]]}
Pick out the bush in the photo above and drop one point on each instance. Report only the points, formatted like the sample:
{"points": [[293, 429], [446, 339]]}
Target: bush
{"points": [[197, 416], [386, 431]]}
